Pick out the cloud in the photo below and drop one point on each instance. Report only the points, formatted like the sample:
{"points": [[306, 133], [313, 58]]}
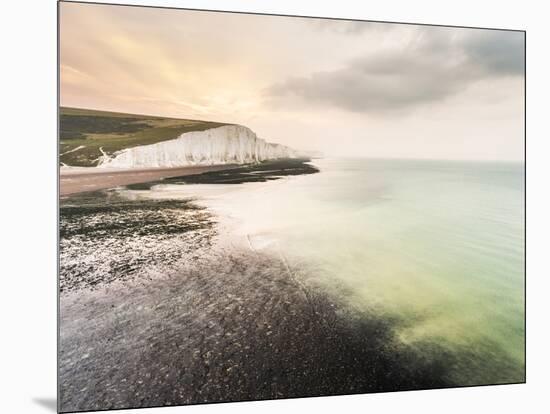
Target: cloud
{"points": [[436, 64], [499, 52]]}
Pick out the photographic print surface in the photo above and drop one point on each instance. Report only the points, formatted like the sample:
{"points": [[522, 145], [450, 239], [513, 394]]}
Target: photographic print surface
{"points": [[260, 207]]}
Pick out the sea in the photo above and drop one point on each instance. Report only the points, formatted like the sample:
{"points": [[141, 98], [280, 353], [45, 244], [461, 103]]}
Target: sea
{"points": [[436, 246]]}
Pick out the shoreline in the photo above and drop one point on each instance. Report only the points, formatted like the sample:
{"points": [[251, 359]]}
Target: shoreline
{"points": [[175, 340], [203, 318], [79, 180], [174, 305]]}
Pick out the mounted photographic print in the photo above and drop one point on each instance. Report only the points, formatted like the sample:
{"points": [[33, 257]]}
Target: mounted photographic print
{"points": [[260, 207]]}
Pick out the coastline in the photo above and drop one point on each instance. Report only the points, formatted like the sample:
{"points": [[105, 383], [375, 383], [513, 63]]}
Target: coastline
{"points": [[78, 180], [202, 317], [228, 324], [166, 299]]}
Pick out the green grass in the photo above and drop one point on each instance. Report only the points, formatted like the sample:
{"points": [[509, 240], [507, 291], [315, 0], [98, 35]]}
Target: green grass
{"points": [[85, 131]]}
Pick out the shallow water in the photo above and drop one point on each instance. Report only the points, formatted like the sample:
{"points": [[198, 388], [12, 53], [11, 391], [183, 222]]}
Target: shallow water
{"points": [[438, 245], [161, 304]]}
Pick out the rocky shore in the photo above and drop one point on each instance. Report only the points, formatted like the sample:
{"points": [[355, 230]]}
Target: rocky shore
{"points": [[155, 311], [238, 326]]}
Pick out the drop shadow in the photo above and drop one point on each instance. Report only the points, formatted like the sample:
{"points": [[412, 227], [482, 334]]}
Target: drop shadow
{"points": [[48, 403]]}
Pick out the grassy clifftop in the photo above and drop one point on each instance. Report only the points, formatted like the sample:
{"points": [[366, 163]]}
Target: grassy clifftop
{"points": [[83, 132]]}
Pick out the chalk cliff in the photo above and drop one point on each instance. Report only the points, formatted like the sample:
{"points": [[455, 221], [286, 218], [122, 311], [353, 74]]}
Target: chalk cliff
{"points": [[228, 144]]}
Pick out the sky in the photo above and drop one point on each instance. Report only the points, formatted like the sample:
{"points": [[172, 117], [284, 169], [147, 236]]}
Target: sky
{"points": [[344, 88]]}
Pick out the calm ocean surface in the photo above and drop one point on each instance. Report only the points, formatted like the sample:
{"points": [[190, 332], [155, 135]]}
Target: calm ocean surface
{"points": [[437, 244]]}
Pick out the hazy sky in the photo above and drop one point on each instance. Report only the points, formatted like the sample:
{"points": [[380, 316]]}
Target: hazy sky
{"points": [[340, 87]]}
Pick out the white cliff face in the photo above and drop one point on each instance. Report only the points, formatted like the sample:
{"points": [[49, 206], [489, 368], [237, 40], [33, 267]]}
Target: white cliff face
{"points": [[228, 144]]}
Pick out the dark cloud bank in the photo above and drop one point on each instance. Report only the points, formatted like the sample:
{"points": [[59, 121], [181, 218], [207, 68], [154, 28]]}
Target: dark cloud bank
{"points": [[434, 66]]}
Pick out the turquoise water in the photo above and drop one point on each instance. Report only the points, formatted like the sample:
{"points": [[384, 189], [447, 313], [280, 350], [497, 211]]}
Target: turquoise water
{"points": [[439, 244], [436, 245]]}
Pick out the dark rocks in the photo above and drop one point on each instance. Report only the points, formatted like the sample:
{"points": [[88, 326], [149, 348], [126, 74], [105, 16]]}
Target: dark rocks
{"points": [[202, 344]]}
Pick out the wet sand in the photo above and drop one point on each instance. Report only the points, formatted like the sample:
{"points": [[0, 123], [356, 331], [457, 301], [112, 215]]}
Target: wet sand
{"points": [[77, 181]]}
